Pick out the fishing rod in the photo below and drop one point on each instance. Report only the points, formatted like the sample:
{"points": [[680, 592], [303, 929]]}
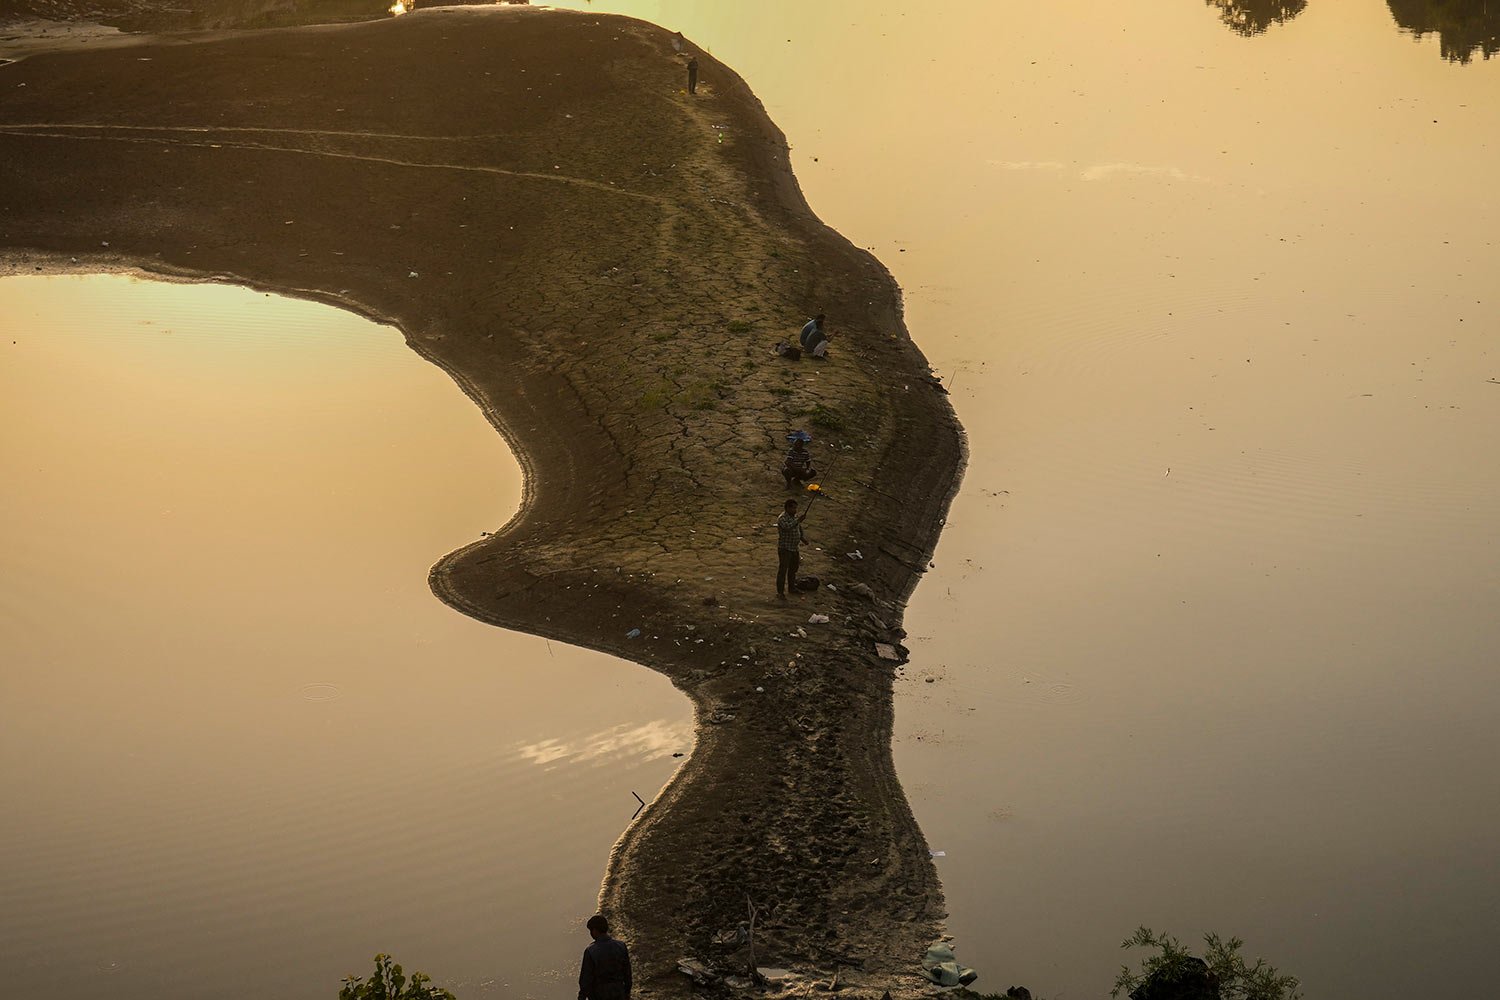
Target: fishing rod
{"points": [[817, 490]]}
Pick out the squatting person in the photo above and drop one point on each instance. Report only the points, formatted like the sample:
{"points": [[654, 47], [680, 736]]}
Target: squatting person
{"points": [[798, 467], [814, 338]]}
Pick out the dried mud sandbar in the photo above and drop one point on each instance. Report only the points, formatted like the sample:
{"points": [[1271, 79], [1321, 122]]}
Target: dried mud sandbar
{"points": [[602, 262]]}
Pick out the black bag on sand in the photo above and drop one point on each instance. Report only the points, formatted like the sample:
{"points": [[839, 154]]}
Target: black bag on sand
{"points": [[807, 583], [789, 352]]}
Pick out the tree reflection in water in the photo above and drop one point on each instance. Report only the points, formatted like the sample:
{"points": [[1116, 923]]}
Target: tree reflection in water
{"points": [[1251, 17], [1463, 27]]}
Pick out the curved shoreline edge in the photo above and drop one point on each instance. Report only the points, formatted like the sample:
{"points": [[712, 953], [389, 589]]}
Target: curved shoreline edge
{"points": [[602, 264]]}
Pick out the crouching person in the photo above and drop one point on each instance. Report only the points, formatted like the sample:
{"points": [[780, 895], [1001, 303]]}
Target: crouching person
{"points": [[813, 338], [798, 467]]}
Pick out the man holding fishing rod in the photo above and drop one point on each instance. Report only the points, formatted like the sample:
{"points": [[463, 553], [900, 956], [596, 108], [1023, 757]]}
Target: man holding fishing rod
{"points": [[788, 547], [789, 536], [789, 539]]}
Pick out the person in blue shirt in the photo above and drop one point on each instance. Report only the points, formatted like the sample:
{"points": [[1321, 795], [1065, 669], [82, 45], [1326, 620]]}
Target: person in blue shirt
{"points": [[814, 338]]}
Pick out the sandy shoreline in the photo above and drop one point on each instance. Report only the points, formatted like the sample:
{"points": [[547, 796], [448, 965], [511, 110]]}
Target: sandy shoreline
{"points": [[601, 263]]}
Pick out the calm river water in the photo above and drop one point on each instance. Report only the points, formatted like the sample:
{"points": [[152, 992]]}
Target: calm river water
{"points": [[1211, 627], [1213, 623], [240, 741]]}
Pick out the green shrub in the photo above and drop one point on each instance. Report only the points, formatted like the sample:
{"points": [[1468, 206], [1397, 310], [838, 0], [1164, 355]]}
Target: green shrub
{"points": [[702, 395], [1237, 981], [738, 326], [390, 983], [826, 417]]}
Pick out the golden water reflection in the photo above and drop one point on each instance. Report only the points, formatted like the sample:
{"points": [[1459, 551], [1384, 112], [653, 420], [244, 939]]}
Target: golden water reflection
{"points": [[644, 741], [239, 738], [1210, 629]]}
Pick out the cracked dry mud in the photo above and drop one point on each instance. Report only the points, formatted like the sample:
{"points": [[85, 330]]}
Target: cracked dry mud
{"points": [[602, 263]]}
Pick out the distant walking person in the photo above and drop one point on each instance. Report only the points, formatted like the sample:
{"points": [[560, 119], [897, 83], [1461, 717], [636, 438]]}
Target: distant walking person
{"points": [[788, 548], [605, 974], [814, 338], [692, 74]]}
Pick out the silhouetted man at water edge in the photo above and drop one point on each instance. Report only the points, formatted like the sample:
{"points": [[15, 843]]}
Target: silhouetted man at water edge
{"points": [[605, 974]]}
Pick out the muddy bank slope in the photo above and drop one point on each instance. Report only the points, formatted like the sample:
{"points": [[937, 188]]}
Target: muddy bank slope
{"points": [[602, 262]]}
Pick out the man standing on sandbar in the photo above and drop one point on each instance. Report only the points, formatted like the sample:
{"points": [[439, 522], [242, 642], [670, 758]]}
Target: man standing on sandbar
{"points": [[605, 974], [788, 548], [692, 74]]}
